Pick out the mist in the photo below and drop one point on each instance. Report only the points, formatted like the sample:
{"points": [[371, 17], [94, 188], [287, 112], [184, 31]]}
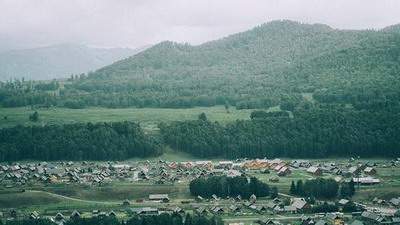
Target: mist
{"points": [[106, 23]]}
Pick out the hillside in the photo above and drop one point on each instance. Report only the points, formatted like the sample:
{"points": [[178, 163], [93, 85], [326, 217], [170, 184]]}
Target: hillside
{"points": [[276, 63], [58, 61]]}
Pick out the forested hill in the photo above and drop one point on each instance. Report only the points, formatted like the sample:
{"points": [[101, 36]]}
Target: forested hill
{"points": [[276, 63], [57, 61]]}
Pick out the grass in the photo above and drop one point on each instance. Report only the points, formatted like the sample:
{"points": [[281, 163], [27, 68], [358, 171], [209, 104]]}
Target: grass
{"points": [[148, 117]]}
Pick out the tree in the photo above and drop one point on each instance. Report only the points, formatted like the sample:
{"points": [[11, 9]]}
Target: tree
{"points": [[188, 219], [226, 105], [203, 117], [274, 192], [350, 207], [34, 117], [352, 189], [300, 187], [293, 190]]}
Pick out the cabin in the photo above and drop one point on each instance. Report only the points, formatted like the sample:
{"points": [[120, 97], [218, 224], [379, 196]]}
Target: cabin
{"points": [[274, 179], [253, 198], [75, 215], [217, 210], [369, 171], [201, 210], [146, 211], [321, 222], [34, 215], [343, 201], [299, 204], [316, 171], [126, 202], [159, 198], [357, 222], [284, 171], [366, 180]]}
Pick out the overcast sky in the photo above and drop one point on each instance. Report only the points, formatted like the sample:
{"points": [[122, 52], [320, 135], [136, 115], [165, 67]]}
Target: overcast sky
{"points": [[135, 23]]}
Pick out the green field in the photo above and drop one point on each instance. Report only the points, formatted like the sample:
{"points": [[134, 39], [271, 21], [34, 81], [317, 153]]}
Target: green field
{"points": [[148, 117]]}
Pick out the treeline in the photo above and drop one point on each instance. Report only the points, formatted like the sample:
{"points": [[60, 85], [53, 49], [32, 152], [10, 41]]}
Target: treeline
{"points": [[223, 186], [163, 219], [100, 141], [316, 188], [316, 132], [322, 188]]}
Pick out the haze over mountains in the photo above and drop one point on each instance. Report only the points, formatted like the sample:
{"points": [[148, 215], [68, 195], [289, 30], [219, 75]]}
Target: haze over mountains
{"points": [[58, 61]]}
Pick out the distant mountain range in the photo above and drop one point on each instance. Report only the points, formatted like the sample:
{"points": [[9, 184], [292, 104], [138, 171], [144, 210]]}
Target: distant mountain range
{"points": [[58, 61]]}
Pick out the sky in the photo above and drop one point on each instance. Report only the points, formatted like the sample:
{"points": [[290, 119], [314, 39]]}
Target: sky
{"points": [[136, 23]]}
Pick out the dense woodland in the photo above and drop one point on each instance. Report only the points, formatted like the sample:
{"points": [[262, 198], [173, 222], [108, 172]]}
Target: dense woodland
{"points": [[272, 64], [163, 219], [319, 188], [319, 132], [102, 141], [338, 92], [223, 186]]}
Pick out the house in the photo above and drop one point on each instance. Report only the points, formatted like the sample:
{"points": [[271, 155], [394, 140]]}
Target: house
{"points": [[217, 210], [321, 222], [316, 171], [366, 180], [369, 171], [234, 208], [395, 201], [343, 201], [199, 198], [146, 211], [305, 220], [253, 198], [215, 197], [75, 215], [34, 215], [159, 197], [354, 170], [13, 213], [59, 219], [274, 179], [300, 204], [233, 173], [284, 171], [356, 222], [371, 216], [201, 210], [290, 209], [112, 214], [126, 202], [225, 164], [267, 222], [335, 219], [178, 210]]}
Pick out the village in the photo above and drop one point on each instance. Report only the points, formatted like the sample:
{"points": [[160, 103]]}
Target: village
{"points": [[283, 209]]}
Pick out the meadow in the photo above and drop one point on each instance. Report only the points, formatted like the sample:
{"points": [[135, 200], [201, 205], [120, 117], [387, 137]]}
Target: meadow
{"points": [[148, 117]]}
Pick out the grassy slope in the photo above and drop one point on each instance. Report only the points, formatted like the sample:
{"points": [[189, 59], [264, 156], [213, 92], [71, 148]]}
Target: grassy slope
{"points": [[149, 117]]}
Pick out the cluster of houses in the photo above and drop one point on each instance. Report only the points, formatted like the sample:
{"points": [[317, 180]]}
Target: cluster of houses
{"points": [[19, 174], [164, 172]]}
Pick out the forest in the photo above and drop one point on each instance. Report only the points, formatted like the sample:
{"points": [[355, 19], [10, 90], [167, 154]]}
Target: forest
{"points": [[273, 64], [316, 133], [224, 186], [101, 141], [337, 93]]}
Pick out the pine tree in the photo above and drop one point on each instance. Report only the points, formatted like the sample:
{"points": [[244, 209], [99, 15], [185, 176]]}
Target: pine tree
{"points": [[293, 190]]}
